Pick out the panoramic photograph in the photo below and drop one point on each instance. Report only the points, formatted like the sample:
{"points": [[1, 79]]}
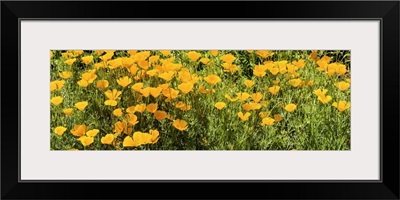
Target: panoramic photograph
{"points": [[286, 100]]}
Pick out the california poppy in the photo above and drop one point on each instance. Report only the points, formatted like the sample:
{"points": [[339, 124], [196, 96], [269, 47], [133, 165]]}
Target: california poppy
{"points": [[180, 124], [220, 105], [290, 107]]}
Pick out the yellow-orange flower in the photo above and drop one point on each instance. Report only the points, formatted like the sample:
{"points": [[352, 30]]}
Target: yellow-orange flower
{"points": [[137, 87], [342, 105], [281, 64], [107, 139], [205, 91], [229, 67], [153, 59], [59, 130], [141, 56], [327, 59], [122, 127], [291, 69], [182, 106], [160, 115], [264, 53], [145, 91], [331, 69], [324, 99], [259, 70], [180, 124], [170, 93], [85, 140], [133, 69], [132, 52], [230, 98], [184, 75], [67, 55], [56, 85], [155, 92], [313, 56], [128, 142], [79, 130], [81, 105], [185, 87], [127, 62], [132, 119], [274, 70], [244, 117], [228, 58], [274, 89], [299, 64], [77, 52], [251, 106], [342, 85], [295, 82], [87, 59], [214, 52], [243, 96], [83, 83], [113, 64], [257, 97], [212, 79], [204, 60], [143, 64], [140, 138], [65, 74], [99, 65], [320, 92], [102, 84], [154, 136], [341, 69], [124, 81], [264, 114], [107, 56], [267, 121], [93, 132], [220, 105], [276, 82], [70, 61], [87, 78], [140, 107], [131, 109], [290, 107], [152, 107], [193, 55], [112, 96], [322, 65], [278, 117], [68, 111], [152, 72], [117, 112], [167, 76], [248, 83], [165, 52], [56, 100]]}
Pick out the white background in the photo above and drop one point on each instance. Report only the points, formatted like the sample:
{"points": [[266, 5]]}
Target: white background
{"points": [[38, 162]]}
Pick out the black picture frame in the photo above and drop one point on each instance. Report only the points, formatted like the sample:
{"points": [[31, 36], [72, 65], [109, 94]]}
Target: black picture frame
{"points": [[386, 11]]}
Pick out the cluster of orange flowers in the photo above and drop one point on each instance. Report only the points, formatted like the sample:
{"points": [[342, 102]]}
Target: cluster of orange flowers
{"points": [[169, 81]]}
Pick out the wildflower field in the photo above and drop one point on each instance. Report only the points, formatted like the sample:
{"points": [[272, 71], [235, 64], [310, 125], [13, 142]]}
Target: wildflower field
{"points": [[200, 100]]}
